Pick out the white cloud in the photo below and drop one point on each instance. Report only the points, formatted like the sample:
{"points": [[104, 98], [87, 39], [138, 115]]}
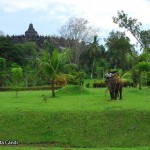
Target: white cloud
{"points": [[17, 5], [97, 12]]}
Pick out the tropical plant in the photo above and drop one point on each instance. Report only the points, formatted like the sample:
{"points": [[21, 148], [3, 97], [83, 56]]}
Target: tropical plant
{"points": [[135, 28], [10, 51], [52, 66], [118, 47], [80, 77], [143, 69], [93, 48], [16, 77], [76, 31]]}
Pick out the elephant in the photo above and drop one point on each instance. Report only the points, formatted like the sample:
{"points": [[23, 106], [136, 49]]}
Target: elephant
{"points": [[115, 86]]}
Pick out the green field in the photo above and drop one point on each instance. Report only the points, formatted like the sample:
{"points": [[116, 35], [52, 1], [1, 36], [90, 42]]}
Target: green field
{"points": [[76, 118]]}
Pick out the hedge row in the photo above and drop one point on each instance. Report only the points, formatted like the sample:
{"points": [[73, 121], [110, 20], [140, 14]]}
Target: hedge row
{"points": [[35, 88], [127, 83], [101, 83], [98, 84]]}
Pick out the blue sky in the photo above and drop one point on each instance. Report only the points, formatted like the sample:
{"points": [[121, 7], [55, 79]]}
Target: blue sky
{"points": [[48, 16]]}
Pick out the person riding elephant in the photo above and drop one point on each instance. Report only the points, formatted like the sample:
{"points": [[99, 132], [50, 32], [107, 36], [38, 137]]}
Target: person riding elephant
{"points": [[114, 84]]}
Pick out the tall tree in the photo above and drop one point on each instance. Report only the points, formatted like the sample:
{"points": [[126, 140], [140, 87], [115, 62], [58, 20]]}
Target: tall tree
{"points": [[16, 77], [9, 51], [2, 71], [134, 27], [93, 48], [132, 59], [77, 31], [87, 57], [145, 38], [118, 46], [28, 51], [143, 67]]}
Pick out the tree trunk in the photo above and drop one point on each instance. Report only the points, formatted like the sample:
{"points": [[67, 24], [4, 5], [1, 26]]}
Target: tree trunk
{"points": [[140, 83], [53, 88], [103, 74], [93, 67], [26, 82]]}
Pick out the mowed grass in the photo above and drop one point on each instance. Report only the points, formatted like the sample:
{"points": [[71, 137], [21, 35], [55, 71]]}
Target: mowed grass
{"points": [[41, 148], [77, 118], [86, 99]]}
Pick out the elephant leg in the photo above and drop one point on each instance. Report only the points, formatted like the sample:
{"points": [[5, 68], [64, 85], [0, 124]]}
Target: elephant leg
{"points": [[120, 91], [116, 90], [116, 94], [111, 95]]}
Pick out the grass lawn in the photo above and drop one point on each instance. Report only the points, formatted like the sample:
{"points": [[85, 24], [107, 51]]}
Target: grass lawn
{"points": [[94, 100], [77, 118], [41, 148]]}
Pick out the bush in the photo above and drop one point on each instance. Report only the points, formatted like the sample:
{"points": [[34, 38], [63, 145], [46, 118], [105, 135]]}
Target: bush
{"points": [[87, 85], [80, 77], [74, 80], [128, 83], [60, 81], [135, 77], [70, 79], [98, 84]]}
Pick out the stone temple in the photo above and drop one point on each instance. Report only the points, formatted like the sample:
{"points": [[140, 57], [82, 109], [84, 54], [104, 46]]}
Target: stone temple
{"points": [[31, 35], [31, 32]]}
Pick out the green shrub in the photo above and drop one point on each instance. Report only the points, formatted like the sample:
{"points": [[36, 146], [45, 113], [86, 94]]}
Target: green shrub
{"points": [[80, 76], [71, 79], [74, 80], [98, 84], [87, 85], [128, 83], [60, 80]]}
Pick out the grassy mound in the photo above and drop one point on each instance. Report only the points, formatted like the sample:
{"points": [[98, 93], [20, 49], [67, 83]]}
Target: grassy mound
{"points": [[72, 89]]}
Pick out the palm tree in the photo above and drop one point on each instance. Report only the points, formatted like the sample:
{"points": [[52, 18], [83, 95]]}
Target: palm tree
{"points": [[51, 65], [93, 47]]}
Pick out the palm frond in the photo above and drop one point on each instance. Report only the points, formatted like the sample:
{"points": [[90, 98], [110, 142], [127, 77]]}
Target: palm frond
{"points": [[55, 58]]}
